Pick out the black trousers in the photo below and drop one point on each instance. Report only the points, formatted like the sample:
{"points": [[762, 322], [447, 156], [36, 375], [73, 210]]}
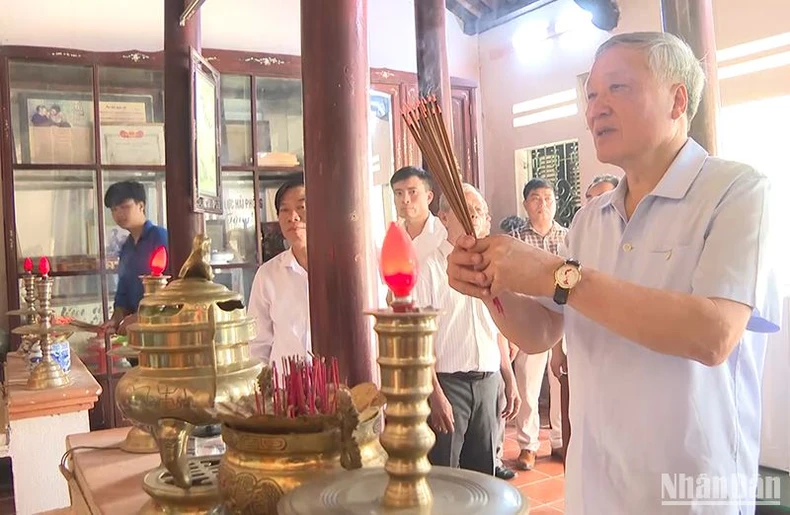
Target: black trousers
{"points": [[472, 446]]}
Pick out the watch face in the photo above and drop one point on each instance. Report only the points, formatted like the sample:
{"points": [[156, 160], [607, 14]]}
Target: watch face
{"points": [[567, 276]]}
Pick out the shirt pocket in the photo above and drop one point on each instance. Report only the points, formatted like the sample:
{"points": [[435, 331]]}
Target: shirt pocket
{"points": [[668, 266]]}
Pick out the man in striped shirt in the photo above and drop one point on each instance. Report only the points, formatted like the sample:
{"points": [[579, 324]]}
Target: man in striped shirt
{"points": [[470, 356], [544, 232]]}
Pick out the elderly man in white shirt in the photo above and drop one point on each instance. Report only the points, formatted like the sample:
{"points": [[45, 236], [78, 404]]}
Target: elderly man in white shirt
{"points": [[279, 300], [472, 358], [664, 281], [413, 193]]}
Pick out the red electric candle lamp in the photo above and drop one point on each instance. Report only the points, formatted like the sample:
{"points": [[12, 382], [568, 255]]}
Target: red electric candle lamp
{"points": [[28, 266], [43, 266], [399, 267], [159, 261]]}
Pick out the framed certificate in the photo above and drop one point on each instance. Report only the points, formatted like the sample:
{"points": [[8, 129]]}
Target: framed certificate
{"points": [[206, 140]]}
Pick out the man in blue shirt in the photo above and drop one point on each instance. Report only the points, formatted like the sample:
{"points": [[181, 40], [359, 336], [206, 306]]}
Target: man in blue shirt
{"points": [[126, 200]]}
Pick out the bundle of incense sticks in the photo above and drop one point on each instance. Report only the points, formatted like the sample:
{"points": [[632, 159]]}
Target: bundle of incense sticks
{"points": [[300, 387], [426, 124]]}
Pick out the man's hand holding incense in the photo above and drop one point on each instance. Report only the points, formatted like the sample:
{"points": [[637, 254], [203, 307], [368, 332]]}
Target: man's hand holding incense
{"points": [[487, 267], [512, 271]]}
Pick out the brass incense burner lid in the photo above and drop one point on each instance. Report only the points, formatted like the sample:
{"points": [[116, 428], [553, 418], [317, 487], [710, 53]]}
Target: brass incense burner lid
{"points": [[194, 308], [187, 297]]}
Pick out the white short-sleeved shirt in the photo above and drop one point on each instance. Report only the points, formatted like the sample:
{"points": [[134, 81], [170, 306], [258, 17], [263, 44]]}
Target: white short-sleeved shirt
{"points": [[279, 303], [638, 415], [433, 233], [466, 340]]}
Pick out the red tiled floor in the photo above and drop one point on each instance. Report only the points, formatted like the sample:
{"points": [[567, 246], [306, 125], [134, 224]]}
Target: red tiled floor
{"points": [[544, 486]]}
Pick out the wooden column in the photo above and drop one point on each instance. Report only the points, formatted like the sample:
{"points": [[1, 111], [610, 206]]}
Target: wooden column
{"points": [[335, 81], [433, 72], [692, 21], [182, 223]]}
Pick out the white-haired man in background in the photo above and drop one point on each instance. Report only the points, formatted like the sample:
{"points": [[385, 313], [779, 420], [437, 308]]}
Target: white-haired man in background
{"points": [[662, 291], [472, 358]]}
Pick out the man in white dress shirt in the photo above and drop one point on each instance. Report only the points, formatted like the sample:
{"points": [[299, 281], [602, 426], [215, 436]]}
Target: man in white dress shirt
{"points": [[470, 356], [667, 282], [279, 300], [413, 193]]}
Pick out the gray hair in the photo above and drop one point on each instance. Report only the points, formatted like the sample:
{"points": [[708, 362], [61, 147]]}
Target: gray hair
{"points": [[444, 204], [611, 179], [669, 58]]}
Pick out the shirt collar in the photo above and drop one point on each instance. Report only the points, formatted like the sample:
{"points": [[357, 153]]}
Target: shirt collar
{"points": [[445, 247], [554, 228], [428, 228], [677, 180], [289, 261], [148, 226]]}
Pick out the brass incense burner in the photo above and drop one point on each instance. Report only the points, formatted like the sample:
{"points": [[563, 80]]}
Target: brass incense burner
{"points": [[192, 337]]}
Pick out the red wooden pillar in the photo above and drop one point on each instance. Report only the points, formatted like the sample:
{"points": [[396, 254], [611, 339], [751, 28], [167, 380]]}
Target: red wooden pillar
{"points": [[433, 72], [182, 223], [335, 81], [692, 21]]}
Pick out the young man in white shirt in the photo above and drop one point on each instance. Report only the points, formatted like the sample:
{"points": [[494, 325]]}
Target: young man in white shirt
{"points": [[279, 300], [413, 193], [470, 356]]}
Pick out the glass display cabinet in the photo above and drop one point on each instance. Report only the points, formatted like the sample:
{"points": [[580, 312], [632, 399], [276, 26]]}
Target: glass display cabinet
{"points": [[77, 127], [72, 123]]}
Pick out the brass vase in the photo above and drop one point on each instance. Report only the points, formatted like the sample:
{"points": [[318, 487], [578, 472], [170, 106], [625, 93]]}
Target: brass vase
{"points": [[258, 469]]}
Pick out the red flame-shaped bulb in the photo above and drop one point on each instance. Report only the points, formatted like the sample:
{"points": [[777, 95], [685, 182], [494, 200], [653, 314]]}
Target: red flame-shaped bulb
{"points": [[43, 266], [159, 261], [398, 261], [28, 265]]}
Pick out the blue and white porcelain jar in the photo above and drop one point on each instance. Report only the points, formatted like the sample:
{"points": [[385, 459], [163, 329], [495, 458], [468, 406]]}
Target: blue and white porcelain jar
{"points": [[61, 352]]}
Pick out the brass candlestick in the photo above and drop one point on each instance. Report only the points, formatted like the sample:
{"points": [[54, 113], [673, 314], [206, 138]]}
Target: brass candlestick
{"points": [[28, 312], [48, 373], [29, 281], [139, 439], [406, 361]]}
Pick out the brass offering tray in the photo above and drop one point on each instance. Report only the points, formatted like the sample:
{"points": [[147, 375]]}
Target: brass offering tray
{"points": [[455, 491], [22, 312], [40, 330]]}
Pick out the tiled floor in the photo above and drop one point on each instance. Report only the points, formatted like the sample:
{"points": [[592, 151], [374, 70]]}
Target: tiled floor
{"points": [[545, 484]]}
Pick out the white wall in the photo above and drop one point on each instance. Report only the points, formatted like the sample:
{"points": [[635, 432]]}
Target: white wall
{"points": [[507, 78], [254, 25]]}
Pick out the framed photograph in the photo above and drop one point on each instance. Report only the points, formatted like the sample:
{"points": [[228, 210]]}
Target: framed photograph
{"points": [[206, 137], [60, 125]]}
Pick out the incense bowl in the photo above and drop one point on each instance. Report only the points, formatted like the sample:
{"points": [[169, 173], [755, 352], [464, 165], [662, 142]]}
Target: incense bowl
{"points": [[257, 469]]}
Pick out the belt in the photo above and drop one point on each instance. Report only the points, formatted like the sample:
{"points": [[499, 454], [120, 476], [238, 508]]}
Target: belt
{"points": [[468, 376]]}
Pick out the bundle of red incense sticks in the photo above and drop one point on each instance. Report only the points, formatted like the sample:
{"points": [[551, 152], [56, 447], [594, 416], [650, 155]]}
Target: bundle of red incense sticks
{"points": [[300, 387]]}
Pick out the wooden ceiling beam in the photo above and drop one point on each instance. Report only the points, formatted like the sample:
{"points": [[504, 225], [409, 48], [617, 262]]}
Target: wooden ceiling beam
{"points": [[470, 6], [508, 11]]}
